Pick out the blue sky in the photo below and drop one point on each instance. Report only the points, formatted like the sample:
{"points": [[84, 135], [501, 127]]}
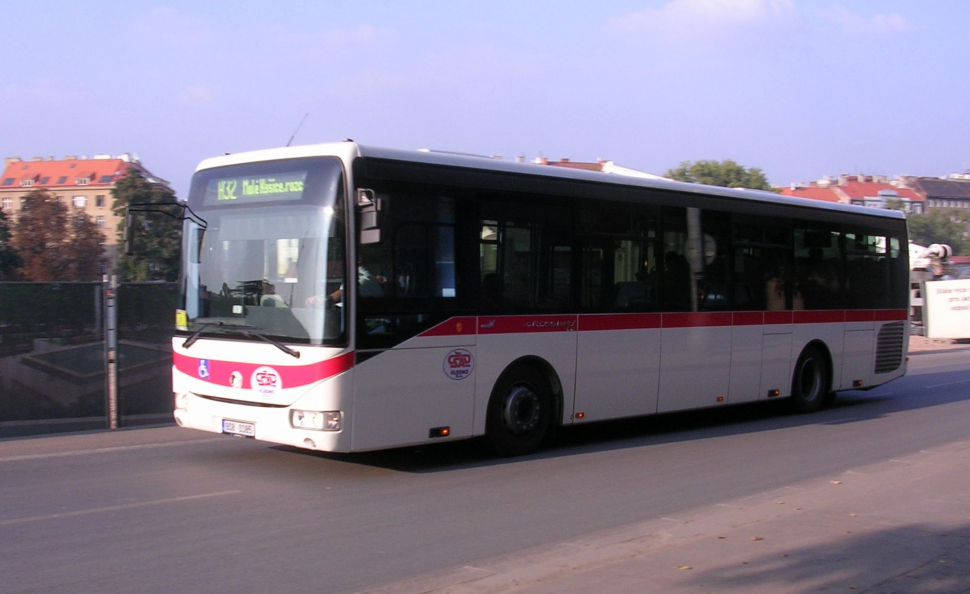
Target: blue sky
{"points": [[799, 88]]}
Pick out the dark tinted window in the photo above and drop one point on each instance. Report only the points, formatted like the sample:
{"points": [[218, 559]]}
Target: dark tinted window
{"points": [[818, 266], [620, 257]]}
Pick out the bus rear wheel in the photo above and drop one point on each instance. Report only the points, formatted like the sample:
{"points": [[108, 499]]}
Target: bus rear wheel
{"points": [[519, 412], [810, 383]]}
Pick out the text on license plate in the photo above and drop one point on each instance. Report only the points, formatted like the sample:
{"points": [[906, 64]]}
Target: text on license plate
{"points": [[239, 428]]}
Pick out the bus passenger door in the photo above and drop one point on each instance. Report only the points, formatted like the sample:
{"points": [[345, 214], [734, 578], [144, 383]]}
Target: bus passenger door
{"points": [[416, 355]]}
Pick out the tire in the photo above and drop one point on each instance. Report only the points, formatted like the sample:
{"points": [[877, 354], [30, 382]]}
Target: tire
{"points": [[519, 412], [810, 382]]}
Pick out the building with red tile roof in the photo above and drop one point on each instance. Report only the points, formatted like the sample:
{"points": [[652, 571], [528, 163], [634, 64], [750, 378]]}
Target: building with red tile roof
{"points": [[600, 165], [813, 192], [81, 184], [861, 190]]}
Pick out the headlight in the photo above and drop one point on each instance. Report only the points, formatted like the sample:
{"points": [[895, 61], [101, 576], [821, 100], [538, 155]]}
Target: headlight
{"points": [[316, 420]]}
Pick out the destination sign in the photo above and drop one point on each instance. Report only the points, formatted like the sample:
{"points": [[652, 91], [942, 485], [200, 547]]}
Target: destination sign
{"points": [[255, 188]]}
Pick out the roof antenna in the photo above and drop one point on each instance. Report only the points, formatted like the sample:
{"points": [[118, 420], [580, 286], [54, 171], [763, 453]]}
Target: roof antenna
{"points": [[298, 126]]}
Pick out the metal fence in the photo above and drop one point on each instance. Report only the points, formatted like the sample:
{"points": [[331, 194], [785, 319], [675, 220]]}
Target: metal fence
{"points": [[77, 356]]}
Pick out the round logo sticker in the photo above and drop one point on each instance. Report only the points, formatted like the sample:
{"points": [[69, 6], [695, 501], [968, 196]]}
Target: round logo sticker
{"points": [[459, 364], [266, 381]]}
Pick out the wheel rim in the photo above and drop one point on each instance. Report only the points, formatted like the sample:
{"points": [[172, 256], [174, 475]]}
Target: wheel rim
{"points": [[810, 380], [521, 410]]}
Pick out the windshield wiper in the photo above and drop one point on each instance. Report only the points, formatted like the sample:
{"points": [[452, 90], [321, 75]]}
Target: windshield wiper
{"points": [[243, 329], [275, 343], [221, 325]]}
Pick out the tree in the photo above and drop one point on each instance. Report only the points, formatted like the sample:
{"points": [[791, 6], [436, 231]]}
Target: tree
{"points": [[940, 225], [56, 245], [158, 238], [727, 174], [10, 260]]}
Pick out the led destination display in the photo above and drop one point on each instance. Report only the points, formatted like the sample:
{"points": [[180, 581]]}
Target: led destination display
{"points": [[255, 188]]}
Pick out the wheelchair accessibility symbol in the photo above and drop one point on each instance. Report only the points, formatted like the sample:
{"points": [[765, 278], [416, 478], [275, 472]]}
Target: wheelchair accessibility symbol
{"points": [[204, 368]]}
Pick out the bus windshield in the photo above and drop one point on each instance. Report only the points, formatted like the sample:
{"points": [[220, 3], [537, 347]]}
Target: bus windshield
{"points": [[271, 251]]}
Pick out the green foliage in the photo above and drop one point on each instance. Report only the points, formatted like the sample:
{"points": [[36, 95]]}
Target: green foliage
{"points": [[158, 238], [941, 225], [727, 174], [895, 204], [55, 244], [10, 260]]}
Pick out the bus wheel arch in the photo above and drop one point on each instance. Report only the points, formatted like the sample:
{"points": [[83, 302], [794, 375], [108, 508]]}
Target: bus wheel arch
{"points": [[812, 379], [525, 406]]}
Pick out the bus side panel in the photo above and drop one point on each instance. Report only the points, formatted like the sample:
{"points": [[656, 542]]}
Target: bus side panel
{"points": [[618, 373], [695, 367], [776, 369], [498, 351], [858, 354], [745, 363], [401, 394]]}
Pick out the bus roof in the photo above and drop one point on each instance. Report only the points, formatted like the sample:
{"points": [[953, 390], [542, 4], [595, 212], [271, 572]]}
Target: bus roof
{"points": [[348, 150]]}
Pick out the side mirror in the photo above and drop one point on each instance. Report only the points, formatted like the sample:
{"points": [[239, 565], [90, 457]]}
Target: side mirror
{"points": [[128, 234], [369, 206]]}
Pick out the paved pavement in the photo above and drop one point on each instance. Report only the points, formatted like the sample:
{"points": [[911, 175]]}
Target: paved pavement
{"points": [[897, 526], [921, 344], [900, 526]]}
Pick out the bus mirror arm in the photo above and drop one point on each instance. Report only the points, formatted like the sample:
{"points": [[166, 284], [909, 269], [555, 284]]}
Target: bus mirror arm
{"points": [[182, 213]]}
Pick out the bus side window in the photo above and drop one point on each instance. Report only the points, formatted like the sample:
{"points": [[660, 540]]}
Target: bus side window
{"points": [[620, 257], [695, 270], [867, 271], [817, 266], [763, 265]]}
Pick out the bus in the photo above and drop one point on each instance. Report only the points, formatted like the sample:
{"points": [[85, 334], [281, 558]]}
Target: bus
{"points": [[345, 298]]}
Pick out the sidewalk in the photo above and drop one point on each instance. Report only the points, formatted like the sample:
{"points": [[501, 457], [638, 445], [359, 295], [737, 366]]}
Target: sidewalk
{"points": [[921, 344], [893, 527]]}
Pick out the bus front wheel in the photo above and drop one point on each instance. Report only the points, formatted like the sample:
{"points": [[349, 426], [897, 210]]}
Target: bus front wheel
{"points": [[810, 383], [519, 412]]}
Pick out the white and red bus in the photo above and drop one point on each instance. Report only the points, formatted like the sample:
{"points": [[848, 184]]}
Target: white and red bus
{"points": [[345, 298]]}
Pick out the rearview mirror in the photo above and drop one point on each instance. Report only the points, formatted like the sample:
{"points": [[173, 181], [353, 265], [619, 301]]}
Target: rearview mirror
{"points": [[369, 206]]}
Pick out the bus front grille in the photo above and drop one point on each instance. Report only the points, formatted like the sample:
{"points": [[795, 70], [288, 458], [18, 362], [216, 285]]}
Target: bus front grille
{"points": [[889, 347], [241, 402]]}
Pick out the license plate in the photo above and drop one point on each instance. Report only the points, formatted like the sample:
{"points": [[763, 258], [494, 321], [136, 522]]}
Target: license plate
{"points": [[239, 428]]}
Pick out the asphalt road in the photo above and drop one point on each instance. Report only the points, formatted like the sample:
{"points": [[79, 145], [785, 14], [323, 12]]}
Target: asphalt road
{"points": [[167, 509]]}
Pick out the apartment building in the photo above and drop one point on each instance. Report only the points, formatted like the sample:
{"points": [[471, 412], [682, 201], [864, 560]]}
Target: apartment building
{"points": [[80, 183]]}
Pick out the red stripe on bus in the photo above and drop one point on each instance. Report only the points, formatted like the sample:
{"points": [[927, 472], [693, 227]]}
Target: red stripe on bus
{"points": [[830, 316], [619, 321], [863, 315], [697, 320], [643, 321], [891, 315], [749, 318], [291, 376], [526, 324], [773, 318], [453, 327]]}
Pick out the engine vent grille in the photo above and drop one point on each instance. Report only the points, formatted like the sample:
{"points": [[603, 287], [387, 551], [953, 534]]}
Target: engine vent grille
{"points": [[889, 347]]}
